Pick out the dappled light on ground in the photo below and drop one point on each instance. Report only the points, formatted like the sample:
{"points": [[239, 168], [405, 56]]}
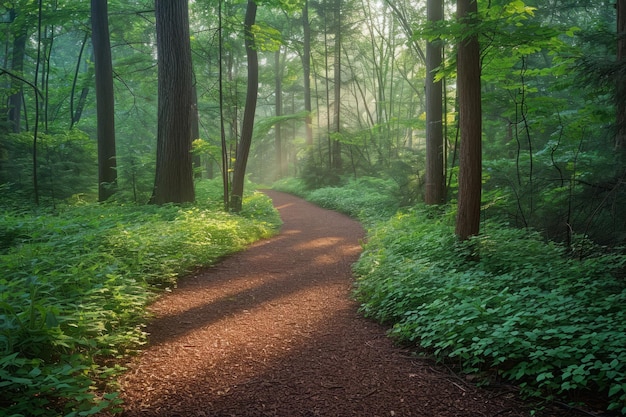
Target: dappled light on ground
{"points": [[273, 332]]}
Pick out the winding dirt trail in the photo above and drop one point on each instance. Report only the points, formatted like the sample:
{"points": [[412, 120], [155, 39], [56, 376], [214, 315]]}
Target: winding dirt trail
{"points": [[272, 331]]}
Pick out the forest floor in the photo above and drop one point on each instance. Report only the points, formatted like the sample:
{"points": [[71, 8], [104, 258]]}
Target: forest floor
{"points": [[273, 331]]}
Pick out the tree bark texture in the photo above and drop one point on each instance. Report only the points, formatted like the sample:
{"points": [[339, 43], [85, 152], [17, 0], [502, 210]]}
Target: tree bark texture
{"points": [[105, 102], [247, 126], [174, 168], [470, 125], [435, 178]]}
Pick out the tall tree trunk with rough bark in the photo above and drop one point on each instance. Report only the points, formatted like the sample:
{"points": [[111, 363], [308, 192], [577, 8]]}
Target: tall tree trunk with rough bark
{"points": [[174, 169], [435, 178], [247, 125], [470, 124], [105, 103]]}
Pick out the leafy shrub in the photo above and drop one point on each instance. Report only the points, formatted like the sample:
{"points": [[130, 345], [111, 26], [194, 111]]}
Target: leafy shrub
{"points": [[66, 165], [316, 174], [75, 285], [291, 185], [504, 301], [570, 192], [368, 199]]}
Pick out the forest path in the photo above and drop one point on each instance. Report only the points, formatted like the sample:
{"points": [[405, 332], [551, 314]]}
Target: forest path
{"points": [[273, 331]]}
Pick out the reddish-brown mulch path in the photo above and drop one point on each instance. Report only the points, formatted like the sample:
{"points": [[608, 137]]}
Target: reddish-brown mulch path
{"points": [[273, 331]]}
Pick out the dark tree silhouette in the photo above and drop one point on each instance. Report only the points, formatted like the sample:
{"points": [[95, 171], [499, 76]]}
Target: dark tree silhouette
{"points": [[435, 179], [105, 102], [174, 169], [470, 124], [247, 126]]}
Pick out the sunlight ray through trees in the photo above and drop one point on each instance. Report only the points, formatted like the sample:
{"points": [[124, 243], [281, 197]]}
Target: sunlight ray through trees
{"points": [[502, 116]]}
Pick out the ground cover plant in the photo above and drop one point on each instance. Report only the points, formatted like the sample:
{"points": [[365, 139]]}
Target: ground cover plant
{"points": [[367, 199], [76, 281], [505, 303]]}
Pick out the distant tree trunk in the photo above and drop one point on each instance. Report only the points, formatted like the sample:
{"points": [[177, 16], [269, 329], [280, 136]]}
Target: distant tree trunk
{"points": [[337, 162], [224, 153], [470, 125], [45, 73], [195, 131], [105, 103], [80, 106], [278, 85], [408, 29], [36, 128], [17, 66], [306, 66], [327, 85], [435, 179], [620, 137], [77, 111], [247, 125], [174, 169]]}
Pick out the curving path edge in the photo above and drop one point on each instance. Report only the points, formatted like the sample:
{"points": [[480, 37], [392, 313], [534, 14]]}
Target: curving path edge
{"points": [[273, 331]]}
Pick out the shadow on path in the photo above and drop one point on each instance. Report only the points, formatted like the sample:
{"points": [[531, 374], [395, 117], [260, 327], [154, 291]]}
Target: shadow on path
{"points": [[272, 331]]}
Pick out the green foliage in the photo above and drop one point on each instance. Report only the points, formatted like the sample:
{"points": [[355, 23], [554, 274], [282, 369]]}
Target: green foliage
{"points": [[506, 301], [291, 185], [368, 199], [572, 189], [66, 165], [75, 285], [316, 173]]}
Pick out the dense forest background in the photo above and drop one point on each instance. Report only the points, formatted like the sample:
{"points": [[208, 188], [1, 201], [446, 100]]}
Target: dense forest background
{"points": [[381, 105], [340, 95]]}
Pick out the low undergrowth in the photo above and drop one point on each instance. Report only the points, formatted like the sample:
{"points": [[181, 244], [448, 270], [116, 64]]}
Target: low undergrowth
{"points": [[75, 284], [506, 303], [367, 199]]}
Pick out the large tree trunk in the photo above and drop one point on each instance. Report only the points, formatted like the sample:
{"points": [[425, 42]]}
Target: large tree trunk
{"points": [[247, 125], [174, 170], [470, 125], [435, 179], [105, 103]]}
